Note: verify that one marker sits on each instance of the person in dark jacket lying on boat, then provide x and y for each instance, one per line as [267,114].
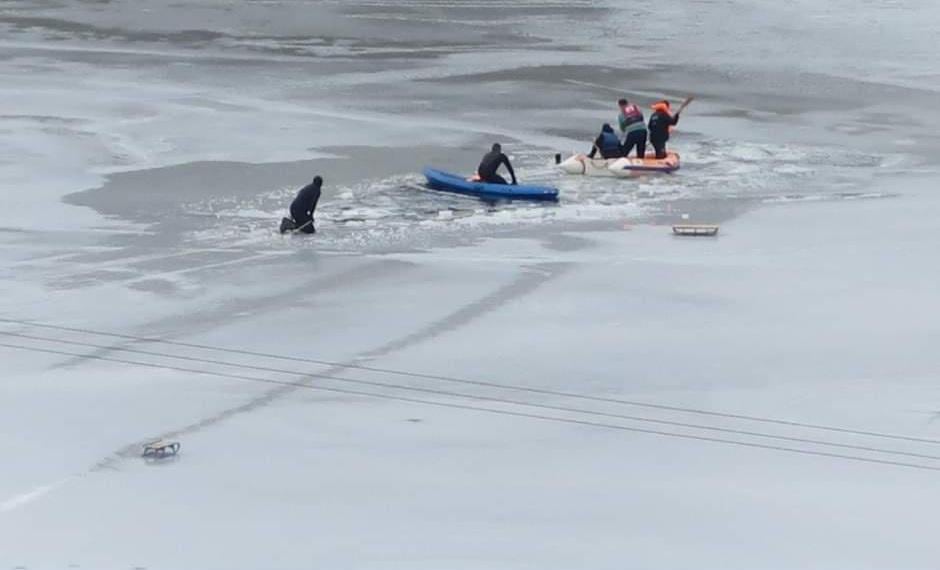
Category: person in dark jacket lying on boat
[491,163]
[302,209]
[608,143]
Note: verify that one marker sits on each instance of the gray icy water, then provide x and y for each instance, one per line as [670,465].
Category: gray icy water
[796,101]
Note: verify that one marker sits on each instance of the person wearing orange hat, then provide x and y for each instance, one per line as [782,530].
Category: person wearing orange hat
[661,121]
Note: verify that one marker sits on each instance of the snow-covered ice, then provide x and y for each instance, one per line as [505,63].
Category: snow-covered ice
[434,382]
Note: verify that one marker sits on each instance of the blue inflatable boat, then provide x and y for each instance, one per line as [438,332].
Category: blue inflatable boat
[439,180]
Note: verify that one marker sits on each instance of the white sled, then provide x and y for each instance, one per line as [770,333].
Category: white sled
[161,449]
[695,230]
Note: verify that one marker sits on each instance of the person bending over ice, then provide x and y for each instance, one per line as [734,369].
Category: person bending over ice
[302,209]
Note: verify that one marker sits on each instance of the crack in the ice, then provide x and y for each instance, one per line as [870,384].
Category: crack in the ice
[528,281]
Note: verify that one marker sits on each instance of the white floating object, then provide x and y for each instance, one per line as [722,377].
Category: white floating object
[620,167]
[695,230]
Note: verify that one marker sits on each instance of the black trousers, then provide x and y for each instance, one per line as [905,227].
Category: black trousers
[660,147]
[638,139]
[495,179]
[290,225]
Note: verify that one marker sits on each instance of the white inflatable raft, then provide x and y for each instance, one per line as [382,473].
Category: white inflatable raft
[621,167]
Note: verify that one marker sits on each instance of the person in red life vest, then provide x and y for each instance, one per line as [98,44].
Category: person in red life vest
[608,143]
[661,122]
[633,128]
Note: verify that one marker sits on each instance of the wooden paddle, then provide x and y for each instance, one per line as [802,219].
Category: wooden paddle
[685,103]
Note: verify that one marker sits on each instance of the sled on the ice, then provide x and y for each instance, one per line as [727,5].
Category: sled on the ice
[694,230]
[160,449]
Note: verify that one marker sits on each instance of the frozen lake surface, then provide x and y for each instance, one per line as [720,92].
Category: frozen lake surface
[435,382]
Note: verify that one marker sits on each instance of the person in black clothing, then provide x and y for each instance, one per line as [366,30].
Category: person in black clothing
[608,143]
[660,122]
[302,209]
[491,163]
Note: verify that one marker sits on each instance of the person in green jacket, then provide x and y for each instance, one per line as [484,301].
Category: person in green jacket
[633,128]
